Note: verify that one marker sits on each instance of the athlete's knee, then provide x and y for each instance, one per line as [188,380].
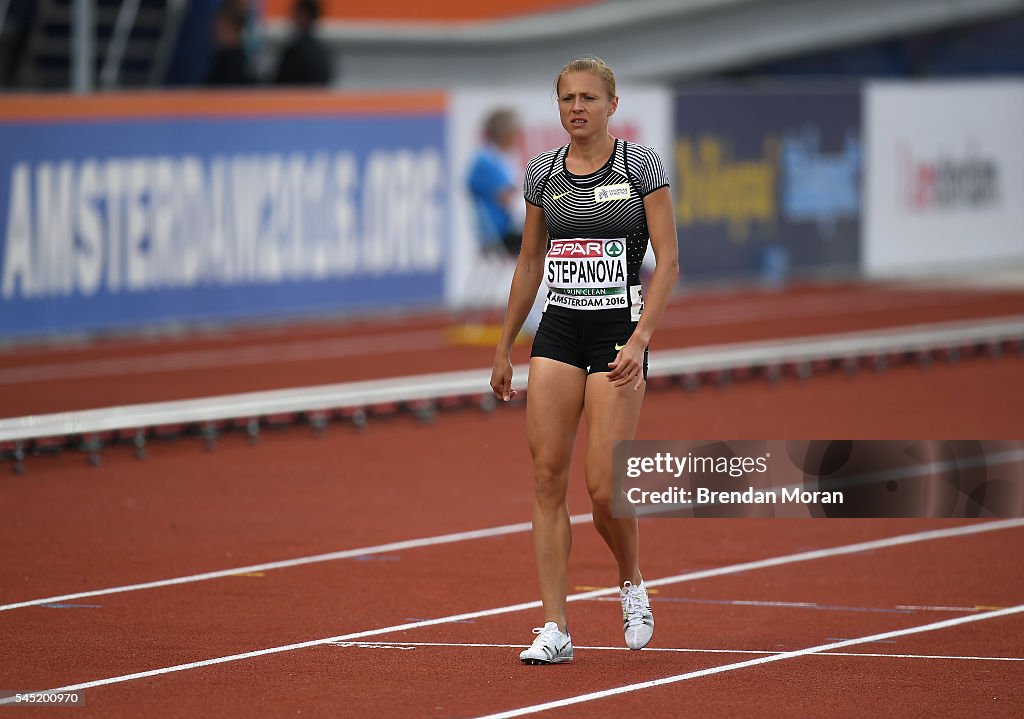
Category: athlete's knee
[550,483]
[601,500]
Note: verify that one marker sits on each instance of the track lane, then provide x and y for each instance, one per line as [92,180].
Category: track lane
[977,398]
[847,687]
[771,628]
[227,605]
[80,528]
[244,360]
[193,622]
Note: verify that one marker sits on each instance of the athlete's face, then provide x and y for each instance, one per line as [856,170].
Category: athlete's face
[584,105]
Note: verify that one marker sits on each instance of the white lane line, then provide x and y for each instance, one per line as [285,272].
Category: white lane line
[789,605]
[898,609]
[923,656]
[832,552]
[676,650]
[296,562]
[819,649]
[898,540]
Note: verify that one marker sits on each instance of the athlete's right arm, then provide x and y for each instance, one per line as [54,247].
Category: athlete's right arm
[525,283]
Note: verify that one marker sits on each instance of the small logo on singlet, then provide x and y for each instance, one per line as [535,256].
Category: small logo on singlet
[607,193]
[560,196]
[619,347]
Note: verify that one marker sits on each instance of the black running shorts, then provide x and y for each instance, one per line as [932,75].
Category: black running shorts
[584,339]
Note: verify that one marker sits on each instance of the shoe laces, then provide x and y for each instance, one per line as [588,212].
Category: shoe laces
[633,604]
[546,634]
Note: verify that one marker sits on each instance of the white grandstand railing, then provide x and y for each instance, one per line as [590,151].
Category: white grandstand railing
[801,352]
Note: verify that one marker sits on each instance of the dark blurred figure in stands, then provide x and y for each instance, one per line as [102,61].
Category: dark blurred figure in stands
[305,60]
[230,64]
[14,34]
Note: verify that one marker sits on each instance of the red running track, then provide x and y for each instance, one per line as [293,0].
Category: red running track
[185,510]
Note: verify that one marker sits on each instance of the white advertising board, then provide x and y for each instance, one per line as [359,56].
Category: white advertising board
[944,176]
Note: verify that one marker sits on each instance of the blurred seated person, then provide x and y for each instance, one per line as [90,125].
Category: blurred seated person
[230,65]
[305,60]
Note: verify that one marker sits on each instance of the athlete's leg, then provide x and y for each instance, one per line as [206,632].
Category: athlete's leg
[553,406]
[612,414]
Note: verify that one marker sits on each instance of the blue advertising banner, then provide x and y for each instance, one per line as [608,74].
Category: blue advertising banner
[118,222]
[769,181]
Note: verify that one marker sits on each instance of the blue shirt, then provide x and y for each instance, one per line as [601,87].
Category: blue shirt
[491,174]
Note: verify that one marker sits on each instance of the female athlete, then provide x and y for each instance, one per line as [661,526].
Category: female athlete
[591,207]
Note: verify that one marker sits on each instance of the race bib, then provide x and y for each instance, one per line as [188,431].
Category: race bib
[587,274]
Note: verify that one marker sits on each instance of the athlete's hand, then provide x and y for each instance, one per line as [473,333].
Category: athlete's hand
[501,379]
[628,366]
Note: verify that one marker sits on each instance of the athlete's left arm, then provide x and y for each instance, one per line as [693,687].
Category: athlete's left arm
[661,222]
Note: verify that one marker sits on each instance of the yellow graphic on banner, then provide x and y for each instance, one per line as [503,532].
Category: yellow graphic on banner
[715,188]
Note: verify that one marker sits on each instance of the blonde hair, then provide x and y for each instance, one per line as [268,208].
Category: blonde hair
[593,64]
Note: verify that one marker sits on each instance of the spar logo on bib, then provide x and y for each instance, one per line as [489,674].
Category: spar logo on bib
[607,193]
[614,248]
[578,249]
